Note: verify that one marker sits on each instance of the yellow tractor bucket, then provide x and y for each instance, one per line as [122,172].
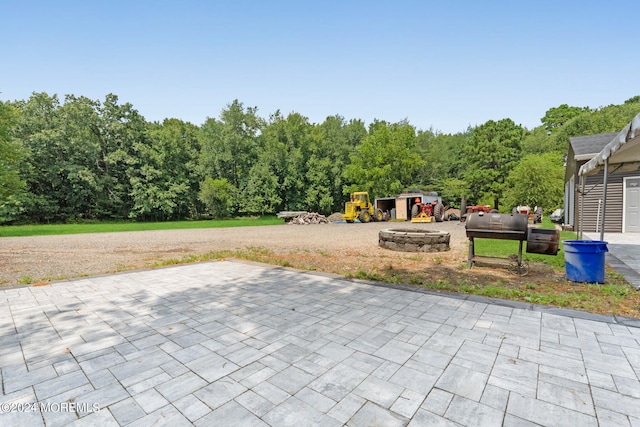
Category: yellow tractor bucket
[422,217]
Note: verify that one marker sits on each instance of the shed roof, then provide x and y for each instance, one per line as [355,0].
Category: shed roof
[586,147]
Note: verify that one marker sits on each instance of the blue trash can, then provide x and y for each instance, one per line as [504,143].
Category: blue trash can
[584,260]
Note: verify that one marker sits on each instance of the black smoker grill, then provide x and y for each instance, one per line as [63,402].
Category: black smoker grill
[482,225]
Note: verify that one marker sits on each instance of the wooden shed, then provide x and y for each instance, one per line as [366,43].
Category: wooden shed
[399,207]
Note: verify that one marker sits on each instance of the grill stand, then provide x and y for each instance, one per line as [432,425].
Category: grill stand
[518,268]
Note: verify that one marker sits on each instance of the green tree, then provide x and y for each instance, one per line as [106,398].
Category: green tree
[333,143]
[40,133]
[607,119]
[443,163]
[437,159]
[537,180]
[119,130]
[451,190]
[219,196]
[293,136]
[165,186]
[229,145]
[79,157]
[494,150]
[385,162]
[319,195]
[81,187]
[11,156]
[539,141]
[278,178]
[262,192]
[556,117]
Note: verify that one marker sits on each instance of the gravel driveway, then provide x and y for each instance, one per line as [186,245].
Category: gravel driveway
[45,258]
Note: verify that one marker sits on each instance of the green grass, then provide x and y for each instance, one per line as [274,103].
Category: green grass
[107,227]
[25,280]
[546,223]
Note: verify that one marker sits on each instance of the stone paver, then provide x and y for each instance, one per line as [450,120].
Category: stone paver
[234,343]
[623,255]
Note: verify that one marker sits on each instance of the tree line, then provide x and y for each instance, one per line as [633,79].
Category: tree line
[85,159]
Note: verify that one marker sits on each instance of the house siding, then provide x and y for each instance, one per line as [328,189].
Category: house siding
[593,196]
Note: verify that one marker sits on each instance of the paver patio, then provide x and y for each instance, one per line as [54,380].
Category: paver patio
[235,343]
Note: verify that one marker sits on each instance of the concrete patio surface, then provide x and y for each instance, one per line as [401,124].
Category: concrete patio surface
[623,255]
[234,343]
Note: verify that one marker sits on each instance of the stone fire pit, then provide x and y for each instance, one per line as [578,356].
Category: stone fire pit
[414,240]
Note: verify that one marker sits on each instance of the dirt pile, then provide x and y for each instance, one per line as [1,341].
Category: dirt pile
[452,214]
[335,217]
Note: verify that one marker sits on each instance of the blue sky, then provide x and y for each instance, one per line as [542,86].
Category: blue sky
[443,65]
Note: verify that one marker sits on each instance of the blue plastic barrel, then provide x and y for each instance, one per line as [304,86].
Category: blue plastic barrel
[584,260]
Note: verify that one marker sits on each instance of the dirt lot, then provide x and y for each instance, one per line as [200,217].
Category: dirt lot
[347,249]
[340,248]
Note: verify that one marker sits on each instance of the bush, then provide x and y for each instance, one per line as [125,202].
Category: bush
[219,196]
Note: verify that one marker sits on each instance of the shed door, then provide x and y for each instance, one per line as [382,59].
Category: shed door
[401,208]
[632,205]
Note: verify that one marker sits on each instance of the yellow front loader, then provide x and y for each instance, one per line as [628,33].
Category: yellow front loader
[360,207]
